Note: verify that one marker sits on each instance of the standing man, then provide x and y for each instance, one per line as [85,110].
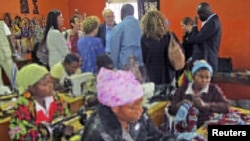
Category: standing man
[6,61]
[208,38]
[105,28]
[125,38]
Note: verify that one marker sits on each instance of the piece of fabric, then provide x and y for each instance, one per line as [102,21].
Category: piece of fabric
[184,78]
[134,66]
[117,88]
[185,119]
[191,136]
[29,75]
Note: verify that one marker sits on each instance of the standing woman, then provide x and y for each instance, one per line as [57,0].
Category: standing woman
[55,41]
[154,41]
[187,25]
[89,46]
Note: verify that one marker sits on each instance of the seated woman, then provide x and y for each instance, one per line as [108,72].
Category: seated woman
[103,60]
[206,97]
[120,116]
[62,70]
[38,103]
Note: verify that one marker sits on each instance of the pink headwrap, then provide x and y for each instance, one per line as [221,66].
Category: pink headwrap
[117,88]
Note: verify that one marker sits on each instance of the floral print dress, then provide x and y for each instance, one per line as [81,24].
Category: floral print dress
[26,117]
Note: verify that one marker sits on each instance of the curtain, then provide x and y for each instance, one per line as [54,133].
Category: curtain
[145,5]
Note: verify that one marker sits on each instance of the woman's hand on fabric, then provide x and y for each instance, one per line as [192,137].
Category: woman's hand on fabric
[199,103]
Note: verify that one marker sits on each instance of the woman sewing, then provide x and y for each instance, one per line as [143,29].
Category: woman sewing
[62,70]
[38,103]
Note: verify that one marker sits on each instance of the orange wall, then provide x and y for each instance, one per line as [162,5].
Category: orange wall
[90,7]
[235,18]
[44,6]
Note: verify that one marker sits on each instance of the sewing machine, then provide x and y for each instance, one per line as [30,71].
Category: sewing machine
[80,84]
[148,90]
[7,102]
[55,130]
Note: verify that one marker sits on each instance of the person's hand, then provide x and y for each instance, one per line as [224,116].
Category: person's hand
[196,20]
[185,101]
[199,103]
[68,132]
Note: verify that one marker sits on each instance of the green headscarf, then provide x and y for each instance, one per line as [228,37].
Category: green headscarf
[30,75]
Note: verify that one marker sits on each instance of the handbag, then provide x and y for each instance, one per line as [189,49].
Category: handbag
[175,54]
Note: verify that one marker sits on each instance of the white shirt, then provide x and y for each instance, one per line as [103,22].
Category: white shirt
[48,100]
[191,91]
[203,23]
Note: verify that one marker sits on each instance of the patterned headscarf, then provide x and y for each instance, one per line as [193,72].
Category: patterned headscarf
[117,88]
[30,75]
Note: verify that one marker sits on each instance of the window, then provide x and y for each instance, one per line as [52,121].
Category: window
[117,5]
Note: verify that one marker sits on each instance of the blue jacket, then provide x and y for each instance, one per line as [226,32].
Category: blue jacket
[125,41]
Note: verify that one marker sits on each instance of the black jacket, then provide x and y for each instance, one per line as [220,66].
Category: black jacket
[102,33]
[156,60]
[187,47]
[104,126]
[208,41]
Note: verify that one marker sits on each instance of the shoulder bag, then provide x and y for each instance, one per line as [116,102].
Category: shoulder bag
[175,54]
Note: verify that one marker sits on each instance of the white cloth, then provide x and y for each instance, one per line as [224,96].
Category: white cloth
[6,62]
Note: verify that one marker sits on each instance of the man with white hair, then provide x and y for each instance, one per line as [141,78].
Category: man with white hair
[105,28]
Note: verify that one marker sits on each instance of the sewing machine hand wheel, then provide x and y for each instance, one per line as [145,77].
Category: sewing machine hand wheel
[67,84]
[83,115]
